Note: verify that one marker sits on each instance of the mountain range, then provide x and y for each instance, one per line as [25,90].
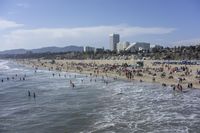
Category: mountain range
[44,50]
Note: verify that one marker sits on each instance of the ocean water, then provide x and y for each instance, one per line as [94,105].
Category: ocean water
[91,107]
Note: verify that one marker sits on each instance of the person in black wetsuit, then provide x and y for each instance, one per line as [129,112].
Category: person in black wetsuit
[29,94]
[34,95]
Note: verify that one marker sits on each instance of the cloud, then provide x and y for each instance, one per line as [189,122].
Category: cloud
[133,31]
[6,24]
[98,35]
[23,5]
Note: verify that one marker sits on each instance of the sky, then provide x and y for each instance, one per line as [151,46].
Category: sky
[41,23]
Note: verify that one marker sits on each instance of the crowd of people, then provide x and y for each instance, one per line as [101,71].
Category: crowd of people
[162,73]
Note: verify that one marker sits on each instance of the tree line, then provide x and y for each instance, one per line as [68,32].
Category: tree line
[158,53]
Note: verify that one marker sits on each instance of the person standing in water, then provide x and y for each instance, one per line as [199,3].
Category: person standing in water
[72,84]
[29,94]
[34,95]
[174,87]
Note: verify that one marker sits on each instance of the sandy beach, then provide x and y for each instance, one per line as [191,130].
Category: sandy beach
[160,73]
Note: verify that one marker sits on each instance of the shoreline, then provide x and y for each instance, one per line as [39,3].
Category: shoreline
[114,69]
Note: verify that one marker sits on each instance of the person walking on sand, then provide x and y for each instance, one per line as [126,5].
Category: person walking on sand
[181,88]
[191,85]
[153,79]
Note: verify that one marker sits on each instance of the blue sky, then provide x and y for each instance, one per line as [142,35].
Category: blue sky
[39,23]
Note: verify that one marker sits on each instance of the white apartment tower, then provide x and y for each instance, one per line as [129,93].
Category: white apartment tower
[114,39]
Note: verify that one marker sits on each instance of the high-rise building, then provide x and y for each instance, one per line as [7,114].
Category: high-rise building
[88,49]
[114,39]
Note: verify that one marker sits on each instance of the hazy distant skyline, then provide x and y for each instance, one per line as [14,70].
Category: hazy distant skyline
[34,23]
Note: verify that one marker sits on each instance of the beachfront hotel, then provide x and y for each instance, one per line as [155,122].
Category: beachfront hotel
[114,39]
[133,47]
[121,46]
[138,46]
